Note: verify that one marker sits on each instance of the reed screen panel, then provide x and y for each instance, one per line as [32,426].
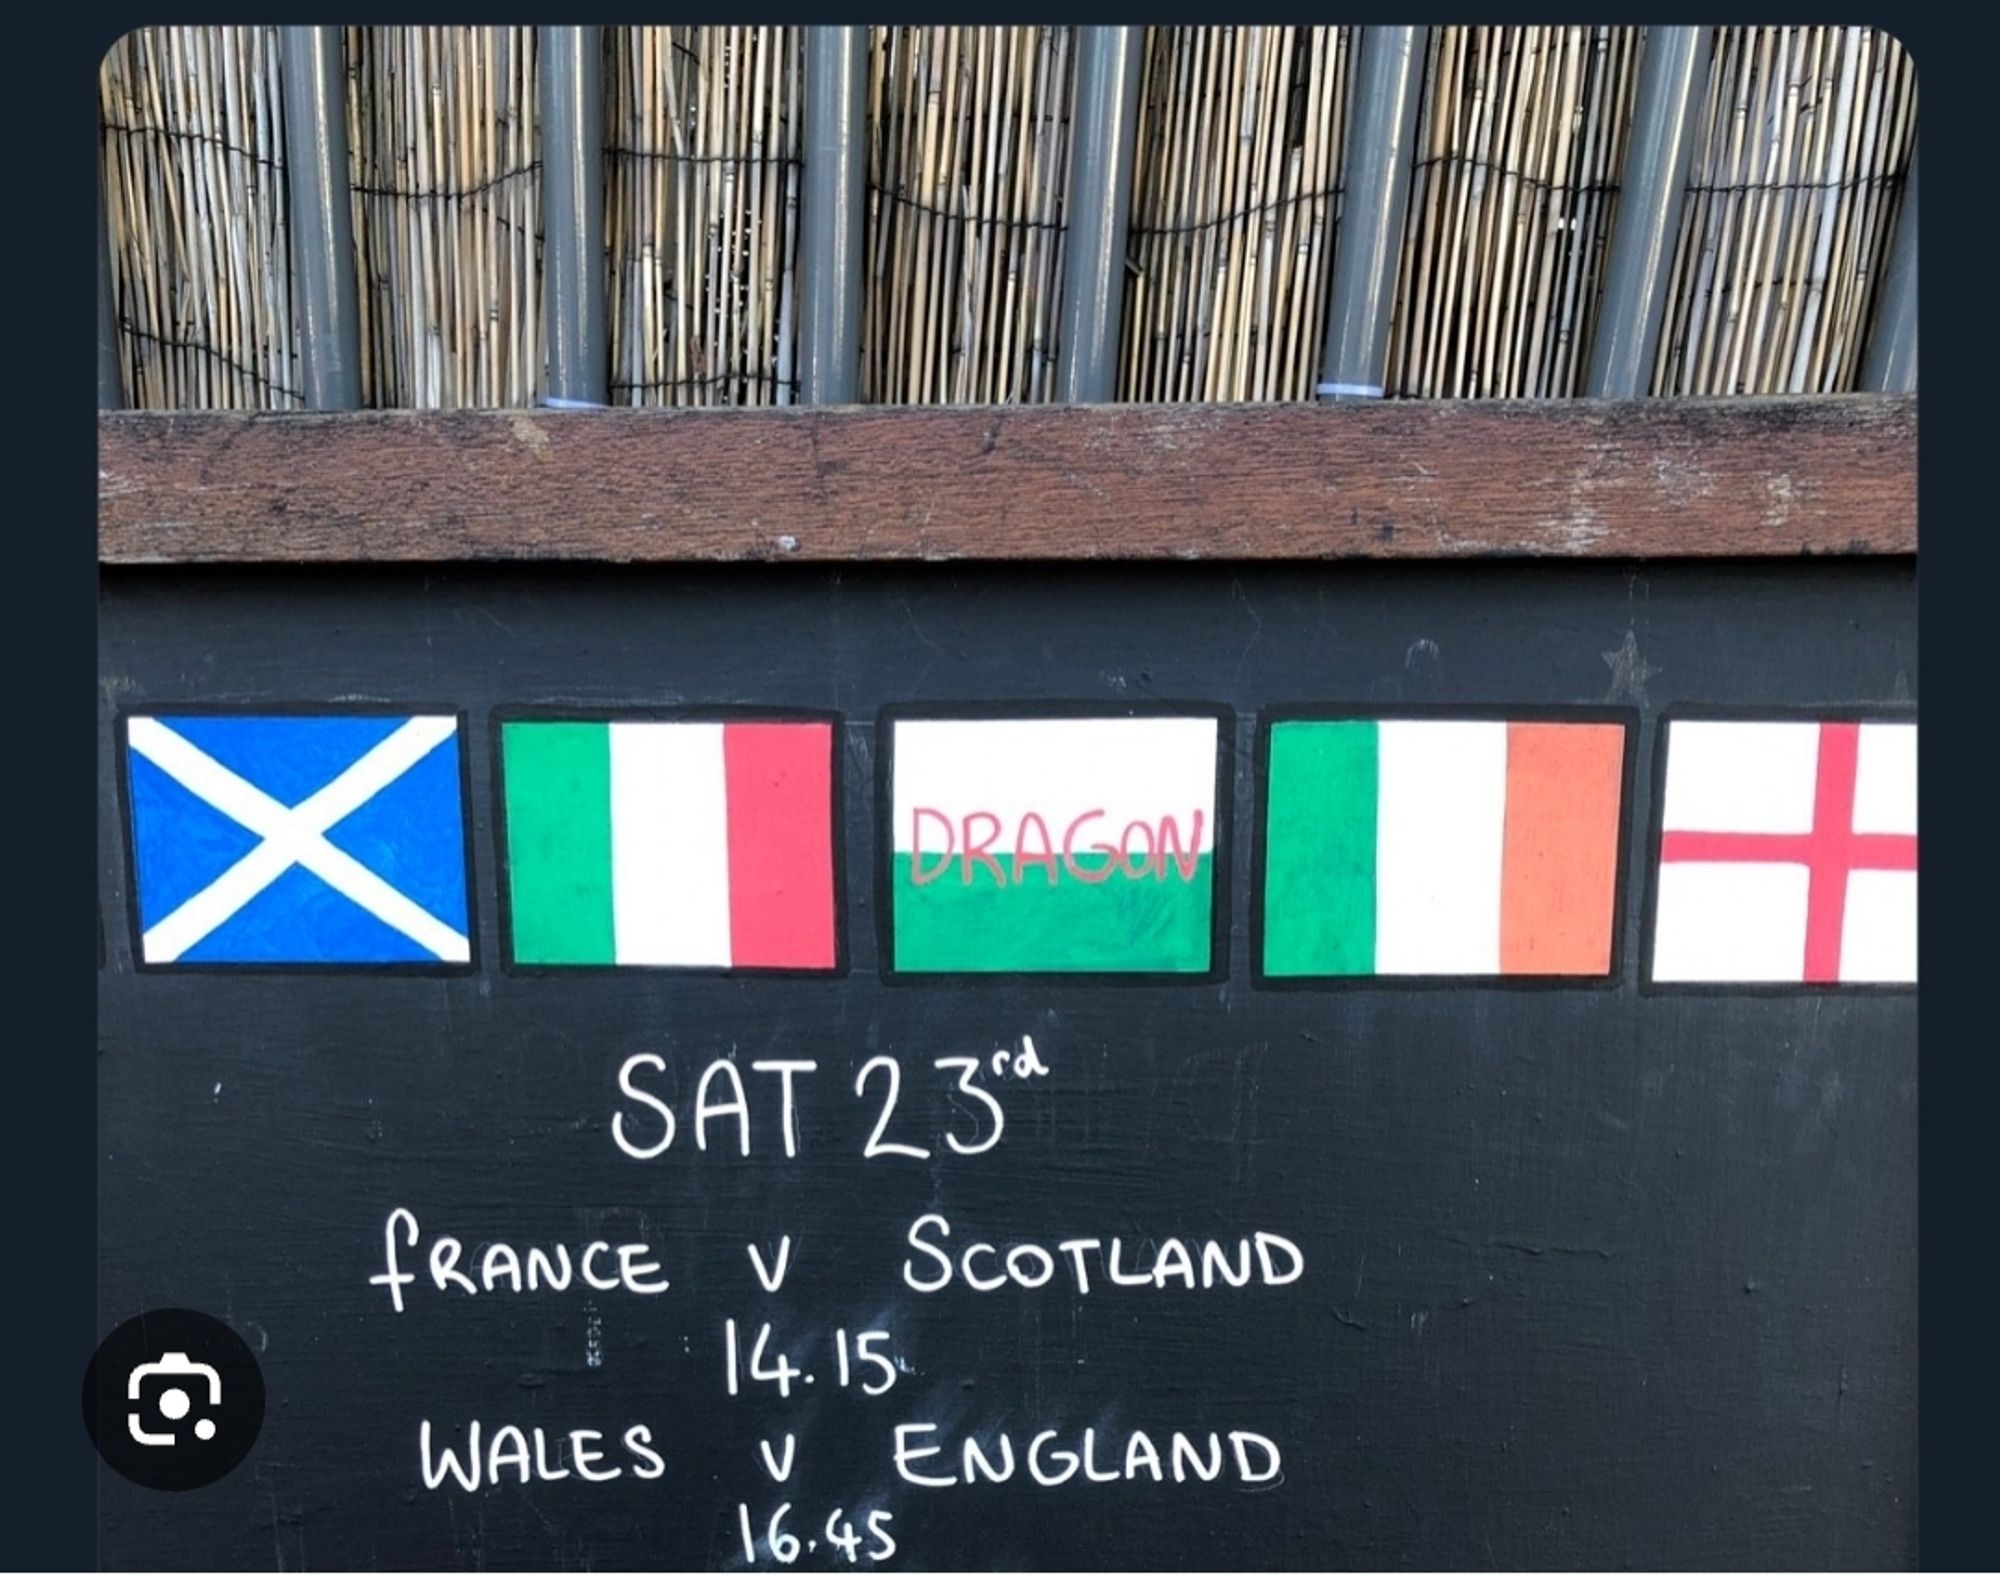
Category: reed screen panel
[1803,142]
[194,190]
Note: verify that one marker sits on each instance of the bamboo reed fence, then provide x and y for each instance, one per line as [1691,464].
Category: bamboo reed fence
[1235,188]
[1519,146]
[702,213]
[1792,194]
[447,233]
[194,191]
[1805,135]
[968,155]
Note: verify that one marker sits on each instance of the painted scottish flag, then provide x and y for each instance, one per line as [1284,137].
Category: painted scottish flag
[331,839]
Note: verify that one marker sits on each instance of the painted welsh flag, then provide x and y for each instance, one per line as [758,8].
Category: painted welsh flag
[1048,845]
[1788,853]
[670,844]
[1441,847]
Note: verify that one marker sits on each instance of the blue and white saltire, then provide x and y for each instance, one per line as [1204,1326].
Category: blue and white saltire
[332,839]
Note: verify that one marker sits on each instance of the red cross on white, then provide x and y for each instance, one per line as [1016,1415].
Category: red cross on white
[1788,853]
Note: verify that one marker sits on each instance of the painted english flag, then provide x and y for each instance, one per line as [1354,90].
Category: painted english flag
[1051,845]
[1788,853]
[335,838]
[1441,847]
[670,844]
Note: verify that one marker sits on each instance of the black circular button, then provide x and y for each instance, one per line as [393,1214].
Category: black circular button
[173,1399]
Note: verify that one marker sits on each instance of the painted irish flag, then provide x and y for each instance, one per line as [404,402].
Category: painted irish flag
[1053,844]
[1788,853]
[670,844]
[1441,847]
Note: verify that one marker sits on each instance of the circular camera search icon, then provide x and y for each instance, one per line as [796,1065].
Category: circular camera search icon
[173,1399]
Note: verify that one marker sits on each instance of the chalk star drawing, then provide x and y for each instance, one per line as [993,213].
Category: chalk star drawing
[1629,671]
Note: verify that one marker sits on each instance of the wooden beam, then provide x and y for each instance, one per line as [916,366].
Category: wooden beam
[1394,479]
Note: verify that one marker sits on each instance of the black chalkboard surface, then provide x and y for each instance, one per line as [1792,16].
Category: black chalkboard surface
[1586,1270]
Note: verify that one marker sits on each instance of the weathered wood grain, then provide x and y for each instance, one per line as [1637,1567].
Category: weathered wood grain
[1397,479]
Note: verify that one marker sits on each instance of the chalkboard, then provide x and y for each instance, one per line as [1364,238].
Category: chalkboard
[1586,1268]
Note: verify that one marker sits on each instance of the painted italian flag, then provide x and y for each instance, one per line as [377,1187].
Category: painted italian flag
[1053,844]
[670,844]
[1441,847]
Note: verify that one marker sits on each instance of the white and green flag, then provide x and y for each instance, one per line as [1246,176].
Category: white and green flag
[1053,844]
